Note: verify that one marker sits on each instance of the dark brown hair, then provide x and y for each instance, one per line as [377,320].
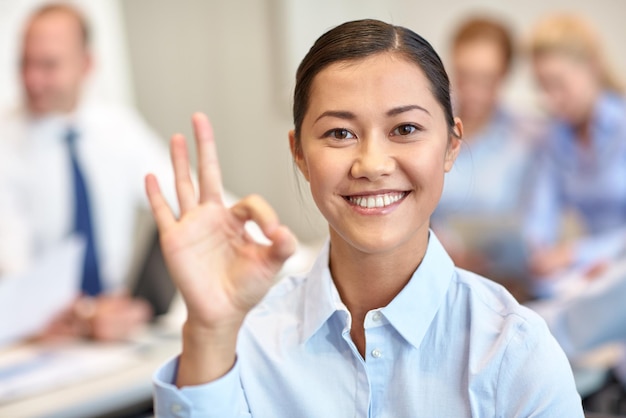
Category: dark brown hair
[482,28]
[360,39]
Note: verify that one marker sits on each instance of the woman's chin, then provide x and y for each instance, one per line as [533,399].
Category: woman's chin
[376,242]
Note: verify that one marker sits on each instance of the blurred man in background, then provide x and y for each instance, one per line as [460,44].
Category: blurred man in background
[75,169]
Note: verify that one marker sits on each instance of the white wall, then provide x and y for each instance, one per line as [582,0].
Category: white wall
[236,61]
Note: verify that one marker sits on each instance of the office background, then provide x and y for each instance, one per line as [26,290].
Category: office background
[236,60]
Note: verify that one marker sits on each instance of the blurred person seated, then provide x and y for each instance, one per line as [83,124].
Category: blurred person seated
[590,320]
[487,182]
[582,165]
[581,169]
[75,168]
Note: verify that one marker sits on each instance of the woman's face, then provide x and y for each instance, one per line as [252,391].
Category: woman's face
[479,68]
[570,86]
[375,150]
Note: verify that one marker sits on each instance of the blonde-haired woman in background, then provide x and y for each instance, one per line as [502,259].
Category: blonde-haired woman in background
[582,165]
[582,169]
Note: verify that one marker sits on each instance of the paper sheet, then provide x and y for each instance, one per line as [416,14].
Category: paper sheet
[29,300]
[31,369]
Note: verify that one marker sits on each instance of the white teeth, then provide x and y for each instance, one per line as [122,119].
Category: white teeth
[378,201]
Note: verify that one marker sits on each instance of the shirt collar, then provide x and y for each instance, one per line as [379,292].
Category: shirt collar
[410,312]
[608,114]
[321,296]
[53,126]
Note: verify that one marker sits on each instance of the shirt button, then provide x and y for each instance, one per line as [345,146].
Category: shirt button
[176,408]
[376,353]
[377,316]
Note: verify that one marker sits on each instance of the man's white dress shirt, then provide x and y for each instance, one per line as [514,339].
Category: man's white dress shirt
[116,149]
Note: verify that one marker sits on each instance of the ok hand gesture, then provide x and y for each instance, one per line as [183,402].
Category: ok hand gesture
[219,270]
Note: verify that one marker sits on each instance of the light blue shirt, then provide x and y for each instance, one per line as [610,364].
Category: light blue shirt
[450,344]
[590,180]
[491,171]
[481,208]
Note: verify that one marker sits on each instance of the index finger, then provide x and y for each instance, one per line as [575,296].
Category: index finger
[209,174]
[160,209]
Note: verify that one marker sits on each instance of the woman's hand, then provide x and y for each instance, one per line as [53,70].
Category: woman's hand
[548,261]
[220,271]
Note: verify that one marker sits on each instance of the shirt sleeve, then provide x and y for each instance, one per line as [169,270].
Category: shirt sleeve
[222,398]
[535,378]
[16,241]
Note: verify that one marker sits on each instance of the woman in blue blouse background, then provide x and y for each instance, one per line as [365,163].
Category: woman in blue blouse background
[582,165]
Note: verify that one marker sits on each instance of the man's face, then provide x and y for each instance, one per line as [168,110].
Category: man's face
[54,63]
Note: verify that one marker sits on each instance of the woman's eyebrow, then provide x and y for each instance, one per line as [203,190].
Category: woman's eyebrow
[340,114]
[401,109]
[344,114]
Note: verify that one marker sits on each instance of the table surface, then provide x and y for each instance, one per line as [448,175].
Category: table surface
[107,393]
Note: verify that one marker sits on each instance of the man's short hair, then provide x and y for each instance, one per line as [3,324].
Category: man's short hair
[67,9]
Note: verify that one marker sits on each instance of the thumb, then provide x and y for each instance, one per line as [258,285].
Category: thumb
[283,246]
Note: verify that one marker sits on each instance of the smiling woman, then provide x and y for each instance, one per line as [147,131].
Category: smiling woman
[383,324]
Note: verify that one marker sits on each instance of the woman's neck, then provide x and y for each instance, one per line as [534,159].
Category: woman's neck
[583,134]
[583,128]
[367,281]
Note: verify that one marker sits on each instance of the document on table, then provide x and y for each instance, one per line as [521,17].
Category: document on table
[575,282]
[29,300]
[32,369]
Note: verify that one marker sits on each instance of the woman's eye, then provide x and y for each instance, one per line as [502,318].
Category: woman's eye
[340,134]
[405,130]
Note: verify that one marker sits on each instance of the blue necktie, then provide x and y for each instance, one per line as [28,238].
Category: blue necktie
[91,283]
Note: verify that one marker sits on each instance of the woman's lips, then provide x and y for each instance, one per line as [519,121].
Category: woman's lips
[376,201]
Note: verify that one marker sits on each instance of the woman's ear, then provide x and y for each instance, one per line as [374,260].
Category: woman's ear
[296,153]
[454,144]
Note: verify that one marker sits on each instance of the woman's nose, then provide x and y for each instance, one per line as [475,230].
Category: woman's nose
[373,160]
